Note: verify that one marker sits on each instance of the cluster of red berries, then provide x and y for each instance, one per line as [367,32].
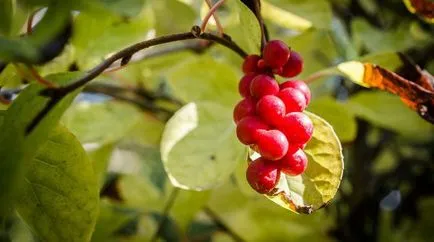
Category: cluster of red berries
[270,116]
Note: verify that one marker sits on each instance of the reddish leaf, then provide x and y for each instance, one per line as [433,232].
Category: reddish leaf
[423,8]
[418,93]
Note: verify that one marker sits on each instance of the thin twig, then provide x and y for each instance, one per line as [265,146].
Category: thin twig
[197,46]
[35,74]
[166,211]
[93,73]
[220,224]
[216,19]
[209,14]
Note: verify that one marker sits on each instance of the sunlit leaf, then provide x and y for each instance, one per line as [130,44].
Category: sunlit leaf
[317,186]
[173,16]
[199,148]
[59,198]
[284,18]
[423,8]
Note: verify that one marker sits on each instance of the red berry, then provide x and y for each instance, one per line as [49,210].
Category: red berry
[250,63]
[299,85]
[276,54]
[294,100]
[247,129]
[271,109]
[244,108]
[244,84]
[294,66]
[263,85]
[261,65]
[272,144]
[297,127]
[263,175]
[294,164]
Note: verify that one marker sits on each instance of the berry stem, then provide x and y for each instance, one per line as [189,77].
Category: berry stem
[320,74]
[166,211]
[210,13]
[216,18]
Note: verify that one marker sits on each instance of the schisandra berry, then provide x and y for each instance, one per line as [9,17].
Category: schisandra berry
[294,164]
[272,144]
[244,84]
[293,99]
[271,109]
[299,85]
[247,129]
[263,175]
[293,66]
[244,108]
[276,53]
[263,85]
[297,127]
[250,64]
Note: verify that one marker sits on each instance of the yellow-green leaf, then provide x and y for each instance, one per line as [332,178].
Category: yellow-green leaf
[318,185]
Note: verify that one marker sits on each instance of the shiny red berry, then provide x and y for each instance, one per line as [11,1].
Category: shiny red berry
[244,84]
[293,66]
[276,54]
[250,64]
[297,127]
[294,164]
[263,175]
[272,144]
[271,109]
[263,85]
[244,108]
[293,99]
[299,85]
[247,129]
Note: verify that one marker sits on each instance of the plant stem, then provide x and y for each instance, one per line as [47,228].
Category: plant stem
[216,18]
[323,73]
[220,224]
[211,13]
[166,211]
[93,73]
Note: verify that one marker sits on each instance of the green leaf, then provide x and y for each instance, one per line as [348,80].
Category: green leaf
[316,57]
[172,16]
[317,12]
[250,40]
[382,40]
[199,148]
[101,123]
[387,111]
[59,198]
[337,114]
[7,8]
[97,34]
[111,218]
[284,18]
[100,158]
[129,8]
[203,78]
[313,189]
[17,148]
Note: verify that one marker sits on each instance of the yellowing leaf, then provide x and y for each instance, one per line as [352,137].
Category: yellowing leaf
[313,189]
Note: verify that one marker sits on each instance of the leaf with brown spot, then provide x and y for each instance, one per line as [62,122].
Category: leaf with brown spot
[417,92]
[423,8]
